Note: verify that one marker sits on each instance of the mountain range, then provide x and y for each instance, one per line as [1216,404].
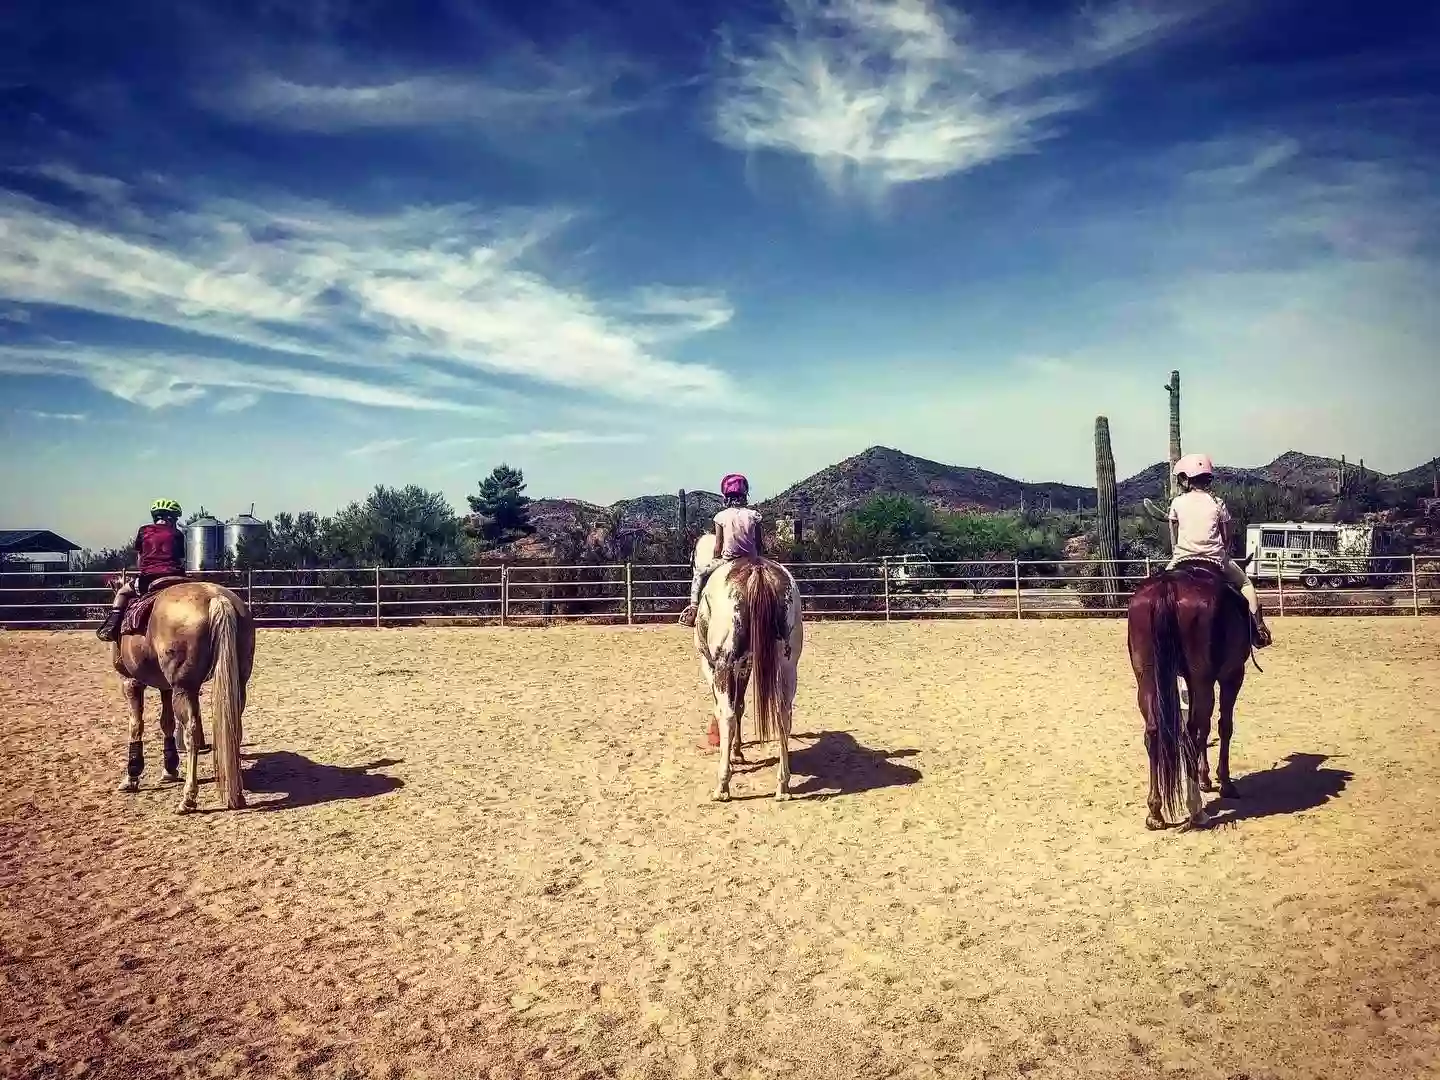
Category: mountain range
[882,470]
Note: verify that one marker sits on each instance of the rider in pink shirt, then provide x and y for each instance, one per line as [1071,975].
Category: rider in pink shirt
[737,534]
[1200,529]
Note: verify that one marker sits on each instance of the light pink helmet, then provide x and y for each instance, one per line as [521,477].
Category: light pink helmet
[735,485]
[1195,465]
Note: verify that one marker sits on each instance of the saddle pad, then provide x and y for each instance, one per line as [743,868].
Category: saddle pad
[137,614]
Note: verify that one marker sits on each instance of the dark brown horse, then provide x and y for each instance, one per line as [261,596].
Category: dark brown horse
[1187,622]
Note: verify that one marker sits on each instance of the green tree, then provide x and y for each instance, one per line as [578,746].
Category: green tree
[501,507]
[891,523]
[407,526]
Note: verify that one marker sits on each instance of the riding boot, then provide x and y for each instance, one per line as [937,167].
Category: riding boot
[110,629]
[687,617]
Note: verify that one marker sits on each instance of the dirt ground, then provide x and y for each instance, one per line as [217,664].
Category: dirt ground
[490,853]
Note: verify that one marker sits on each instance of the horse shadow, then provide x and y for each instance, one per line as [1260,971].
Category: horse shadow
[1296,785]
[835,764]
[309,783]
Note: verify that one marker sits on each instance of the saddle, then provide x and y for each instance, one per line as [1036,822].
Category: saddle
[137,614]
[1204,568]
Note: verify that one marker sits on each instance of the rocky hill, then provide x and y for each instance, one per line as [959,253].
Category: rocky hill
[1152,483]
[882,470]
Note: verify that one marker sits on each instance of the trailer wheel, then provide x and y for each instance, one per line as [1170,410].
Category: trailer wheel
[1335,581]
[1311,579]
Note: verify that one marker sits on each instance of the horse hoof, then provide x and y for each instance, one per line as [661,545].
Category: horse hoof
[720,796]
[1207,785]
[782,796]
[1154,823]
[170,778]
[128,786]
[1199,821]
[185,808]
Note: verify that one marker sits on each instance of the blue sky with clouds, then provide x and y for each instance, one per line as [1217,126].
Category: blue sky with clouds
[279,252]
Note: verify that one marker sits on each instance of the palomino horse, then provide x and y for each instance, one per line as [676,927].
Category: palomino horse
[195,631]
[748,623]
[1187,622]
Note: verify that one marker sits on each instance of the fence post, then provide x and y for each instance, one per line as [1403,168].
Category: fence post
[1018,613]
[1280,587]
[504,594]
[1414,586]
[249,588]
[629,598]
[1147,566]
[885,587]
[377,598]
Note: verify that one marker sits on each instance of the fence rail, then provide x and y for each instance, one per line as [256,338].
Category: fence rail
[643,593]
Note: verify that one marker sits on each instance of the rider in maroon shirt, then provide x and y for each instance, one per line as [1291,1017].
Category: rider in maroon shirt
[160,552]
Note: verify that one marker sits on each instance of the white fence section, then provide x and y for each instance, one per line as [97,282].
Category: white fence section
[518,595]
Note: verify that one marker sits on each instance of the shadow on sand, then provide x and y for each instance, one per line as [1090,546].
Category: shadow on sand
[1297,784]
[835,764]
[307,783]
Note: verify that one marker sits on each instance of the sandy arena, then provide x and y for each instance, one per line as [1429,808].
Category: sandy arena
[491,853]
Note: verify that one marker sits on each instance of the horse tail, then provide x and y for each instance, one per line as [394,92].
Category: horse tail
[227,702]
[1165,642]
[765,616]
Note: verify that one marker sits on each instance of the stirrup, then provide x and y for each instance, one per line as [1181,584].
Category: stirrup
[109,630]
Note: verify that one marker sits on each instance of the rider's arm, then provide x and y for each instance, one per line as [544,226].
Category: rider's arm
[719,540]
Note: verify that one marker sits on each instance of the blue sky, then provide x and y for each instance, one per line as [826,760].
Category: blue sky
[280,252]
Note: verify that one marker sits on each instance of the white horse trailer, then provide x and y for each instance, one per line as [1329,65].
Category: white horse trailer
[1315,553]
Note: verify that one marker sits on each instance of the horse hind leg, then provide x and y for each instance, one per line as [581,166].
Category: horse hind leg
[1154,815]
[724,689]
[187,713]
[171,775]
[134,692]
[1229,694]
[788,679]
[742,687]
[1196,734]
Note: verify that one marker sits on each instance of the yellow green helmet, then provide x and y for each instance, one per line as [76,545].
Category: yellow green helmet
[165,506]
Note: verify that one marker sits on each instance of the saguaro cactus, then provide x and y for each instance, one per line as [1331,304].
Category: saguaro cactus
[1173,386]
[1107,513]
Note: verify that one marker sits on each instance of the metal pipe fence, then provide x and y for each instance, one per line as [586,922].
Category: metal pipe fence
[638,593]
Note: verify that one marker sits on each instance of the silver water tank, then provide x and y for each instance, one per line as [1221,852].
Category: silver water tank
[204,541]
[241,527]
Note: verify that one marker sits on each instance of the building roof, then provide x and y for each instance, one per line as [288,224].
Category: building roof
[15,541]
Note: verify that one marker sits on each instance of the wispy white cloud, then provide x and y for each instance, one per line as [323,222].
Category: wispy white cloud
[779,435]
[67,417]
[157,380]
[888,92]
[324,89]
[384,295]
[16,315]
[409,102]
[543,439]
[379,446]
[236,403]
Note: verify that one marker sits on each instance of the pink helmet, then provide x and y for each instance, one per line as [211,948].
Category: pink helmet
[1195,465]
[734,484]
